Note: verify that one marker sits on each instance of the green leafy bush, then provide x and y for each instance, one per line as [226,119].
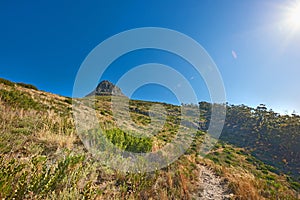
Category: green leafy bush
[36,178]
[123,140]
[29,86]
[68,100]
[6,82]
[16,98]
[128,141]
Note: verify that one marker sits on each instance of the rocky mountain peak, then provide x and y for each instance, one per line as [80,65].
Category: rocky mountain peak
[106,88]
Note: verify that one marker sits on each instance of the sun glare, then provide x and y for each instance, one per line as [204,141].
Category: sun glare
[293,19]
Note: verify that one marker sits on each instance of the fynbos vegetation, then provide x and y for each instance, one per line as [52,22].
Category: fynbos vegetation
[41,156]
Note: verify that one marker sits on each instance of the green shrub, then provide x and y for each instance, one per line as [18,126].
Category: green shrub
[128,141]
[16,98]
[36,179]
[22,131]
[6,82]
[68,100]
[29,86]
[123,140]
[270,177]
[295,186]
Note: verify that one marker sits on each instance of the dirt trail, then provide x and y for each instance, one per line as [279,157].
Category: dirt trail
[211,186]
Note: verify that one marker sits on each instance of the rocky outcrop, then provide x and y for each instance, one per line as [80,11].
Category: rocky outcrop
[106,88]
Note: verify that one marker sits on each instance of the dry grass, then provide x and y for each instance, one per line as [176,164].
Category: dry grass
[245,182]
[53,128]
[57,130]
[45,125]
[27,133]
[241,183]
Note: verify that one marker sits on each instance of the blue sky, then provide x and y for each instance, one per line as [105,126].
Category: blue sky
[255,49]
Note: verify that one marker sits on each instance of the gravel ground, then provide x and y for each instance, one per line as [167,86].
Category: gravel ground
[211,186]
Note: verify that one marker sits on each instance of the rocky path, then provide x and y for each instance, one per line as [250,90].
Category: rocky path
[211,186]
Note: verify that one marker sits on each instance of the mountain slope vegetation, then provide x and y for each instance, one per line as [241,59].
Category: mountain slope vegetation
[42,157]
[269,136]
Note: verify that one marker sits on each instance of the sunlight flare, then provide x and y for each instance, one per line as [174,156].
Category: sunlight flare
[294,16]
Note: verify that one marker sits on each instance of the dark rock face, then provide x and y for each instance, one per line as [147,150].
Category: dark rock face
[106,88]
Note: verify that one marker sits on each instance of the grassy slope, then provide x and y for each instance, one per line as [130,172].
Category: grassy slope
[42,157]
[270,137]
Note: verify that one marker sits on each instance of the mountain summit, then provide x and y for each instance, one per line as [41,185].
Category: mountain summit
[106,88]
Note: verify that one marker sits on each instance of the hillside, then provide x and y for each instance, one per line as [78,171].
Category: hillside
[42,157]
[269,136]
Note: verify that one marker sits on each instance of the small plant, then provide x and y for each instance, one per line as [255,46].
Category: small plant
[68,100]
[37,179]
[6,82]
[19,99]
[123,140]
[29,86]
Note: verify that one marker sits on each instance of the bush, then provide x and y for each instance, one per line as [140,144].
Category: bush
[6,82]
[123,140]
[29,86]
[16,98]
[68,100]
[36,179]
[295,186]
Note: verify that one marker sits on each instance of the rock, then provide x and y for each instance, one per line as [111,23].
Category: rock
[106,88]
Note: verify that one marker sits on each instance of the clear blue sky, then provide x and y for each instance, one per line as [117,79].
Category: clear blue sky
[255,49]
